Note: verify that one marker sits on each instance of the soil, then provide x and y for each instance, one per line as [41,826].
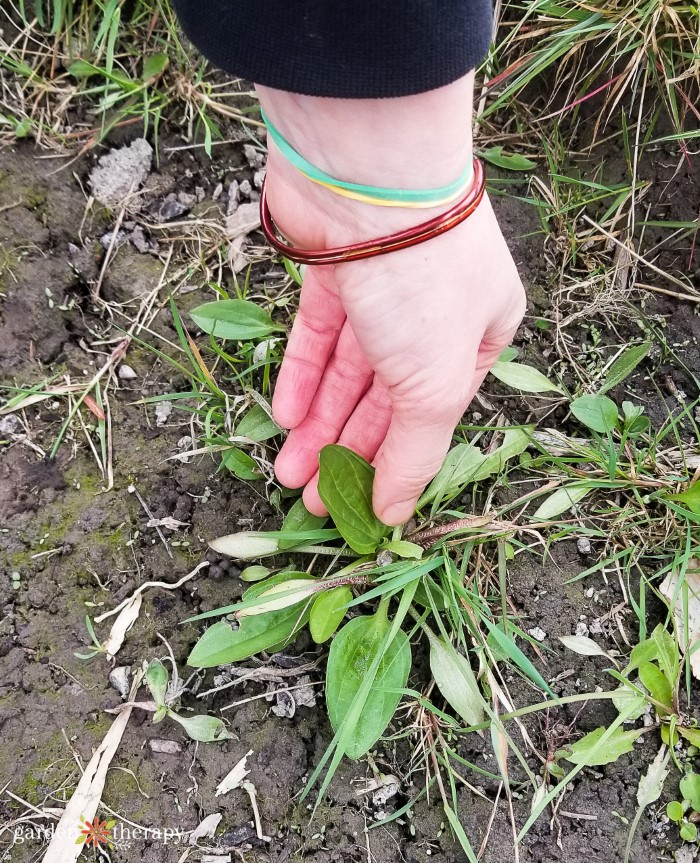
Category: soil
[79,550]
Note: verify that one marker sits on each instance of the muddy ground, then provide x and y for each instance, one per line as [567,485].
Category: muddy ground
[80,550]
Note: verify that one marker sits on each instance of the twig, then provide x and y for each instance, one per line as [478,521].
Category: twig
[133,490]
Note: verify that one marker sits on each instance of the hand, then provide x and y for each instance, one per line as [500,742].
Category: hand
[385,354]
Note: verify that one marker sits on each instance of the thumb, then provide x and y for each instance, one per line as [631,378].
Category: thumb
[411,455]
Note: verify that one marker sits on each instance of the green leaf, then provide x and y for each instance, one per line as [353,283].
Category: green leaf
[624,365]
[246,544]
[239,320]
[514,442]
[157,680]
[666,652]
[328,609]
[690,497]
[240,464]
[154,66]
[510,649]
[597,412]
[688,832]
[690,789]
[560,501]
[221,644]
[508,354]
[352,652]
[521,377]
[674,810]
[405,549]
[656,684]
[254,573]
[645,651]
[626,700]
[205,729]
[692,735]
[257,425]
[456,681]
[280,595]
[619,743]
[509,161]
[299,519]
[345,487]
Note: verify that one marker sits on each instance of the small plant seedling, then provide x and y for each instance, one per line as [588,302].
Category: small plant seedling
[686,811]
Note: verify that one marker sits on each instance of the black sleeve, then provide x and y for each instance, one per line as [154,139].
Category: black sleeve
[345,48]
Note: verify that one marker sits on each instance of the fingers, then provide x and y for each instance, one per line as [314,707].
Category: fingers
[364,433]
[311,342]
[345,380]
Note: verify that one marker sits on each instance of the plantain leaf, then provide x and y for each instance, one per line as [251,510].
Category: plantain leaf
[257,425]
[205,729]
[327,611]
[644,651]
[595,411]
[617,744]
[240,464]
[352,652]
[510,161]
[658,687]
[624,365]
[560,500]
[239,320]
[221,644]
[522,377]
[690,497]
[345,486]
[157,681]
[627,701]
[690,789]
[300,519]
[456,681]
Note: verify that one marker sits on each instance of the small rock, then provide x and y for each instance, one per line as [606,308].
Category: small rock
[581,628]
[246,189]
[258,179]
[218,189]
[126,373]
[106,239]
[163,411]
[255,158]
[199,194]
[583,544]
[537,633]
[384,558]
[186,199]
[234,197]
[142,242]
[286,706]
[166,209]
[685,854]
[119,679]
[10,424]
[596,627]
[164,747]
[121,172]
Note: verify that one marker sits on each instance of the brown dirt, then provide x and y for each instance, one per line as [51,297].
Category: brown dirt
[98,549]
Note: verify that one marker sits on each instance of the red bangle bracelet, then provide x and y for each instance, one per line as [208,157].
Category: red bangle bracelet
[382,246]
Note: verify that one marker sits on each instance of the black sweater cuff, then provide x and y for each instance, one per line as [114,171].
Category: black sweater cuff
[352,49]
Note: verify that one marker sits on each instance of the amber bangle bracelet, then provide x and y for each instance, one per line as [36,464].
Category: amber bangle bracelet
[382,246]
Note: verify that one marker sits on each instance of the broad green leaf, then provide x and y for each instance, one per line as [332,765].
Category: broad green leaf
[667,652]
[626,700]
[522,377]
[402,548]
[508,354]
[456,681]
[254,573]
[582,645]
[429,595]
[345,487]
[352,652]
[619,743]
[157,680]
[299,519]
[690,497]
[514,442]
[240,464]
[154,65]
[460,465]
[239,320]
[624,365]
[560,501]
[221,645]
[595,411]
[510,161]
[645,651]
[656,684]
[690,789]
[281,595]
[688,831]
[205,729]
[327,611]
[692,735]
[257,425]
[246,544]
[674,811]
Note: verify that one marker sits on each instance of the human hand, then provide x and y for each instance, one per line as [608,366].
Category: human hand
[386,353]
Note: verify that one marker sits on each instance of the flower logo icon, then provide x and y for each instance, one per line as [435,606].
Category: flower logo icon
[96,833]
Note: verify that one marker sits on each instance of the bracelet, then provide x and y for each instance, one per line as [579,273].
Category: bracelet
[376,195]
[382,246]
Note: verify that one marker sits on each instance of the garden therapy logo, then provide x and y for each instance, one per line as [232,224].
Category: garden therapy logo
[96,833]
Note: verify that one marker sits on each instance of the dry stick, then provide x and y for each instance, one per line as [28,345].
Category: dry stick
[637,256]
[146,585]
[693,298]
[133,490]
